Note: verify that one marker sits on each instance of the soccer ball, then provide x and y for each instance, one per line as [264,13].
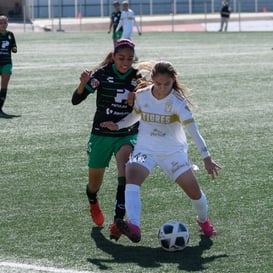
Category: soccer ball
[173,236]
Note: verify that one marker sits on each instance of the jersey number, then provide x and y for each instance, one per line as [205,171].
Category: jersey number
[122,95]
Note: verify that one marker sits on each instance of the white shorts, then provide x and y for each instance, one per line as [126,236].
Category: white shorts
[172,164]
[127,35]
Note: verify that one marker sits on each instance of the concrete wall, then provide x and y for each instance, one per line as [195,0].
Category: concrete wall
[7,8]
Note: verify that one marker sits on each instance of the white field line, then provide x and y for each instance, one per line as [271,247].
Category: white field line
[39,268]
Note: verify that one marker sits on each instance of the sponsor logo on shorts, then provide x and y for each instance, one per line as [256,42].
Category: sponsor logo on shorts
[176,166]
[138,158]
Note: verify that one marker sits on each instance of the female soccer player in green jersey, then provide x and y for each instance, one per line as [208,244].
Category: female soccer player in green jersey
[7,46]
[114,82]
[114,20]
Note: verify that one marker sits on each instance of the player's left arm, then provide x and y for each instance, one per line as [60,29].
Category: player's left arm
[210,165]
[137,26]
[13,44]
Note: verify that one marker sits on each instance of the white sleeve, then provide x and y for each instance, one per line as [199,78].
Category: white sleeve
[198,139]
[137,25]
[129,120]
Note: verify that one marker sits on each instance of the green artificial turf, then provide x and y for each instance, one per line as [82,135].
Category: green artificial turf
[43,207]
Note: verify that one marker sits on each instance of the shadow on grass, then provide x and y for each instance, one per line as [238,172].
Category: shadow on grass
[190,259]
[8,116]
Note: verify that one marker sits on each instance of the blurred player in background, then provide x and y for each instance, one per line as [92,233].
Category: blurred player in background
[114,20]
[114,82]
[7,46]
[127,22]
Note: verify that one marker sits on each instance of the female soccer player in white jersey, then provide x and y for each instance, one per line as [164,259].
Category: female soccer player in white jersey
[162,109]
[127,21]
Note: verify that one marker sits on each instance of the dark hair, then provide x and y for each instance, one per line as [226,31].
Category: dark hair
[120,44]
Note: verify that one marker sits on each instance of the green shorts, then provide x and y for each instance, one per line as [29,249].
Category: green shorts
[117,35]
[100,149]
[6,69]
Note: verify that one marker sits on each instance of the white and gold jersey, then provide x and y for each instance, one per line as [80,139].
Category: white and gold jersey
[127,22]
[161,123]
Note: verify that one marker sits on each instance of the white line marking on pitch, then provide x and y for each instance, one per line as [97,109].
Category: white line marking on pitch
[40,268]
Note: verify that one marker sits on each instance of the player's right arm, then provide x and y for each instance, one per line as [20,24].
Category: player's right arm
[110,25]
[127,121]
[81,93]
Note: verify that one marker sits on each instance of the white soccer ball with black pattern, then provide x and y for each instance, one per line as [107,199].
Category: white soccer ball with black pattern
[173,236]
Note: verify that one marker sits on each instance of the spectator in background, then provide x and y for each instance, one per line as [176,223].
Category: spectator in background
[114,20]
[225,13]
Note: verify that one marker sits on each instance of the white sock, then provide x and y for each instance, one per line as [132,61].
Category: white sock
[133,203]
[201,208]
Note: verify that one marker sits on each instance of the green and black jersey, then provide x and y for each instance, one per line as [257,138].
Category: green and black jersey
[7,42]
[112,93]
[115,17]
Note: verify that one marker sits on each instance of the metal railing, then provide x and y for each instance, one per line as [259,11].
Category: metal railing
[55,10]
[101,8]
